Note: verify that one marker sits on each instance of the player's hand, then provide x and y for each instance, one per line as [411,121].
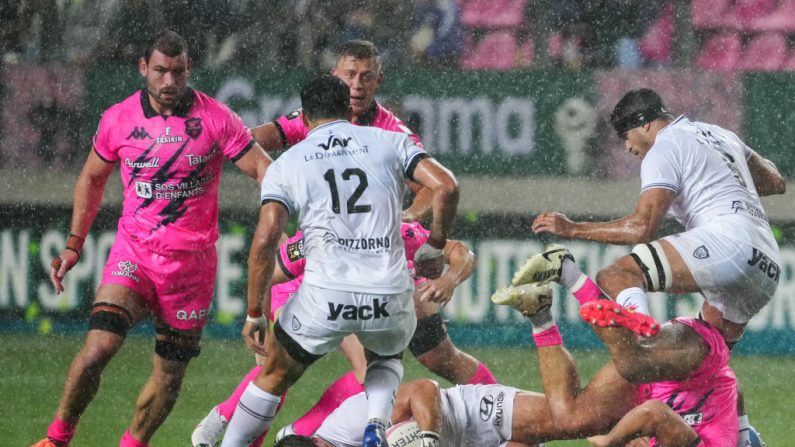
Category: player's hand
[553,223]
[407,216]
[429,261]
[59,266]
[599,441]
[438,290]
[254,334]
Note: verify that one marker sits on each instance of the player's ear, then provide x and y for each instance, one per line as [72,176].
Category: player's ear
[142,65]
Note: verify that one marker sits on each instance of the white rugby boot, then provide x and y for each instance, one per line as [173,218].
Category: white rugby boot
[208,432]
[543,267]
[528,299]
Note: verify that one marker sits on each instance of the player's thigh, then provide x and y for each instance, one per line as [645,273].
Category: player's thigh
[424,308]
[123,299]
[606,398]
[682,280]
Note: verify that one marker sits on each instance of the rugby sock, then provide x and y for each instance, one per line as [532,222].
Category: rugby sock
[578,283]
[381,383]
[542,320]
[482,376]
[345,387]
[128,441]
[634,298]
[61,431]
[254,415]
[261,438]
[744,436]
[227,407]
[548,337]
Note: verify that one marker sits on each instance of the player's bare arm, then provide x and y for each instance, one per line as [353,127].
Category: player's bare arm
[89,189]
[421,400]
[261,262]
[639,227]
[421,207]
[461,263]
[268,137]
[767,179]
[444,187]
[652,418]
[254,163]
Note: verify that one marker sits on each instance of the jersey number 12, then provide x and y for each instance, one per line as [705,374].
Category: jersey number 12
[352,207]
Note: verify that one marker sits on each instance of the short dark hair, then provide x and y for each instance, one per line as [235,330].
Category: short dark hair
[360,49]
[167,42]
[325,96]
[295,441]
[637,108]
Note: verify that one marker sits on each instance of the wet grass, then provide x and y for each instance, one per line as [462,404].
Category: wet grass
[34,367]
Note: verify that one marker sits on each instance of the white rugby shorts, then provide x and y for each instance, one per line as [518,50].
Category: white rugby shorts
[318,319]
[736,263]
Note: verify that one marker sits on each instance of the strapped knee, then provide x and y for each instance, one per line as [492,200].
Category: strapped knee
[175,345]
[111,318]
[429,333]
[654,264]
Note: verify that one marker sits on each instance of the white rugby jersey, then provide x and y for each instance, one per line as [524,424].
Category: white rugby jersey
[706,166]
[472,416]
[346,185]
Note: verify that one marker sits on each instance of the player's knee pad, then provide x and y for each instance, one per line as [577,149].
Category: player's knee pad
[111,318]
[429,333]
[176,352]
[654,264]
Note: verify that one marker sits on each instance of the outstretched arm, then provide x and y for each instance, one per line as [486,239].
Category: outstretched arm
[652,418]
[640,226]
[421,400]
[766,177]
[254,163]
[268,137]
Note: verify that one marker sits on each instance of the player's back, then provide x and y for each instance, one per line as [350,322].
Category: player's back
[346,183]
[709,172]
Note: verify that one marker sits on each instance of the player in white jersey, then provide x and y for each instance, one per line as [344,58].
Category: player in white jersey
[345,183]
[710,182]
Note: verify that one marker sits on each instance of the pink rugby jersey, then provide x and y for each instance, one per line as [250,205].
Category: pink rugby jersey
[707,399]
[292,261]
[170,167]
[292,129]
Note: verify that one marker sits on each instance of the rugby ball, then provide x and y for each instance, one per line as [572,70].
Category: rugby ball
[404,434]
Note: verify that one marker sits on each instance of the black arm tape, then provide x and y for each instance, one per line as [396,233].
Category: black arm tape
[110,317]
[174,352]
[429,333]
[294,350]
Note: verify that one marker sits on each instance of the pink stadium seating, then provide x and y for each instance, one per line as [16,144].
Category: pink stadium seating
[782,19]
[714,14]
[749,11]
[493,14]
[495,51]
[766,52]
[656,43]
[722,52]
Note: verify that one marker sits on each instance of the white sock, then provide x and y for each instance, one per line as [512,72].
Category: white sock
[254,415]
[634,298]
[381,383]
[744,437]
[570,274]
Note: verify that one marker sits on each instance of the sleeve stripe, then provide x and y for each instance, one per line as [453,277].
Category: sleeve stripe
[283,136]
[101,157]
[412,165]
[280,200]
[243,152]
[673,188]
[285,270]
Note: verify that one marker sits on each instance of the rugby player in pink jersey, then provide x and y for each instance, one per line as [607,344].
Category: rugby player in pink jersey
[358,65]
[170,142]
[430,343]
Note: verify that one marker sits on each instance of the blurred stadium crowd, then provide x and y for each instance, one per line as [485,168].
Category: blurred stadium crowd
[469,34]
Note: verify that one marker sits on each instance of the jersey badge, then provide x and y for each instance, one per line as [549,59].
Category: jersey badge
[193,127]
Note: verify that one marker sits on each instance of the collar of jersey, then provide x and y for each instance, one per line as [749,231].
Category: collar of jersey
[677,120]
[328,124]
[182,110]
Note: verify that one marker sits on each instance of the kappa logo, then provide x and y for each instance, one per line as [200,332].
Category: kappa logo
[333,142]
[701,252]
[486,407]
[193,127]
[139,133]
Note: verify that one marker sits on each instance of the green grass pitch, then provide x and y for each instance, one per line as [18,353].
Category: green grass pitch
[34,367]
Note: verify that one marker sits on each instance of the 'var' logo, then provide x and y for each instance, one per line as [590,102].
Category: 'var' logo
[334,142]
[139,133]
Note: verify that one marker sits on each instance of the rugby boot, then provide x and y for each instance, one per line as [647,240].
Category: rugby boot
[543,267]
[527,299]
[374,434]
[208,432]
[608,313]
